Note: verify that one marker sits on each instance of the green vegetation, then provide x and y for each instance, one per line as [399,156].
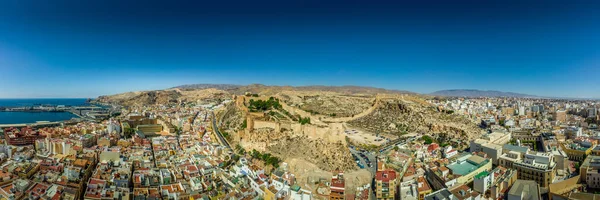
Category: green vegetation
[276,114]
[261,105]
[129,132]
[245,124]
[591,120]
[240,149]
[305,120]
[267,158]
[285,112]
[427,139]
[177,130]
[226,135]
[531,143]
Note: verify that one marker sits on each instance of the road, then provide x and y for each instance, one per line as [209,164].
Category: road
[392,144]
[370,156]
[194,121]
[216,130]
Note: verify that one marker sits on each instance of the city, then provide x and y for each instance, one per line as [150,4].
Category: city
[299,100]
[235,145]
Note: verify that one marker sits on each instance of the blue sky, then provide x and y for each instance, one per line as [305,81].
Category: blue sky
[90,48]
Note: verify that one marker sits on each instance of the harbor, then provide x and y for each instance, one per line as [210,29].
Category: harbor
[49,112]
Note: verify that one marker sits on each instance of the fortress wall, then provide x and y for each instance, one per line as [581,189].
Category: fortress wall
[266,124]
[285,125]
[329,134]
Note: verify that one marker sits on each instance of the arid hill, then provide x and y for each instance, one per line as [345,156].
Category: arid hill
[163,97]
[401,116]
[271,90]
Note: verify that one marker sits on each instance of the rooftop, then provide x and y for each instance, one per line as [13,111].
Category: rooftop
[482,175]
[527,190]
[515,148]
[465,167]
[385,175]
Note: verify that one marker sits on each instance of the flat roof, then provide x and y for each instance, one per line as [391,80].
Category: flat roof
[482,174]
[515,148]
[477,159]
[462,168]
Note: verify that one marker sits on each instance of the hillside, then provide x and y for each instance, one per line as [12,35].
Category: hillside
[206,86]
[479,93]
[400,116]
[156,97]
[194,92]
[271,90]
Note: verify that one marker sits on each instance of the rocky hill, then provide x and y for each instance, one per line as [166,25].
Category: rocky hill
[271,90]
[401,116]
[479,93]
[141,98]
[206,86]
[326,155]
[162,97]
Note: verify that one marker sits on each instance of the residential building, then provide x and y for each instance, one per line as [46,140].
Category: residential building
[408,190]
[590,171]
[23,136]
[560,116]
[337,187]
[386,183]
[503,179]
[576,151]
[539,167]
[464,192]
[483,181]
[442,194]
[423,187]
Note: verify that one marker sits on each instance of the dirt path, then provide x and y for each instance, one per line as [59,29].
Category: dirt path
[297,111]
[345,119]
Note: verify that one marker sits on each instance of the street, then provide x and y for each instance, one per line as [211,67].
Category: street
[216,130]
[368,157]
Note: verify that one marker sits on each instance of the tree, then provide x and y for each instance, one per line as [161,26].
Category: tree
[427,139]
[266,156]
[225,134]
[245,124]
[256,154]
[129,132]
[305,120]
[273,161]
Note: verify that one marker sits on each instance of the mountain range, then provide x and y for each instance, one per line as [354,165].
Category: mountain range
[479,93]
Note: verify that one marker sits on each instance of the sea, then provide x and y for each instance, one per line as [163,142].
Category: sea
[32,117]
